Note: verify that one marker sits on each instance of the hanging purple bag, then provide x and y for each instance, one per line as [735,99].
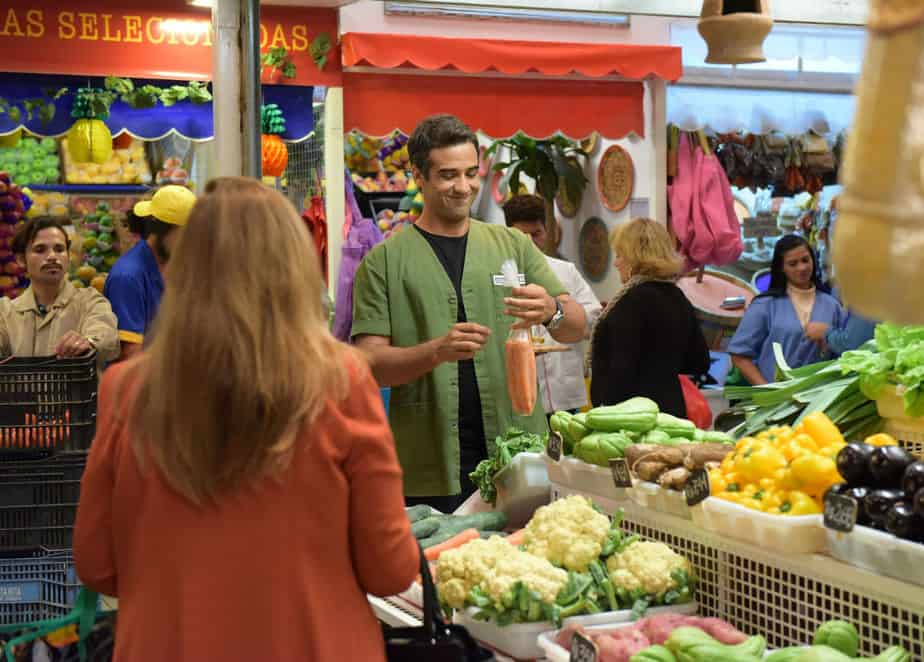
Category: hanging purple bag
[363,234]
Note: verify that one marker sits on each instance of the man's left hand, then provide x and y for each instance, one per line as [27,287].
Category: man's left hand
[72,344]
[532,304]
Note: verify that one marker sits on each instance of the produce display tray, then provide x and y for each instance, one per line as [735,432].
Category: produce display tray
[803,534]
[573,476]
[654,497]
[879,552]
[521,641]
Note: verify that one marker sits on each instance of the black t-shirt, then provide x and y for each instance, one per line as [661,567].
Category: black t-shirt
[451,253]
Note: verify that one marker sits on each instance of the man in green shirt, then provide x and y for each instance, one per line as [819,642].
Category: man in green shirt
[431,313]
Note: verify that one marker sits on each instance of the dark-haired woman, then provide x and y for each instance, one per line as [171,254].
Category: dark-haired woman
[52,317]
[782,314]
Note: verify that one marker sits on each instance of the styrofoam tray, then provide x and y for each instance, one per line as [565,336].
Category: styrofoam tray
[654,497]
[580,478]
[879,552]
[802,534]
[521,640]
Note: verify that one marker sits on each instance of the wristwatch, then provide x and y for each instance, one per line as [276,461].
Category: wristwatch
[555,321]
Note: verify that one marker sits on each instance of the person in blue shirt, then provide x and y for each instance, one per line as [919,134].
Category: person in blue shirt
[856,331]
[782,314]
[135,284]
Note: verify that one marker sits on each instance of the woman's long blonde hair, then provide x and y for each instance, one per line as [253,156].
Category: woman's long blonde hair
[647,249]
[241,357]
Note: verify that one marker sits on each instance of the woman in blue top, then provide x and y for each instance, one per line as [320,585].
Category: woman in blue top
[783,312]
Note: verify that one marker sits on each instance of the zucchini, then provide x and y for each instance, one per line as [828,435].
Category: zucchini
[492,521]
[417,513]
[425,527]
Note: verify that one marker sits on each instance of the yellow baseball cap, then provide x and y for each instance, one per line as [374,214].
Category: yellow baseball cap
[170,204]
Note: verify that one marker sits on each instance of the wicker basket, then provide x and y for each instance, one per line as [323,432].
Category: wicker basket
[734,38]
[908,430]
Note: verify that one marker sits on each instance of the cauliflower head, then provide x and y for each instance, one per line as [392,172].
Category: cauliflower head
[536,574]
[567,532]
[457,570]
[646,566]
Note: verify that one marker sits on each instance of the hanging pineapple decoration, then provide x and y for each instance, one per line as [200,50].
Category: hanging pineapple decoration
[275,152]
[89,139]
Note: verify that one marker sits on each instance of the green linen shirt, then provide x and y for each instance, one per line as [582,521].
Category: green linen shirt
[402,291]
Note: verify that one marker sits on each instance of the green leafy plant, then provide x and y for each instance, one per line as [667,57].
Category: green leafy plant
[42,107]
[92,103]
[278,58]
[552,163]
[319,49]
[148,96]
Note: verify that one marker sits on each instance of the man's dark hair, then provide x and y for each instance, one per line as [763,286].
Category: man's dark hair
[436,132]
[136,224]
[26,233]
[159,230]
[524,208]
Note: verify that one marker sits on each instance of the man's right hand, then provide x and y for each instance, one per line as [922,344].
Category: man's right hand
[462,342]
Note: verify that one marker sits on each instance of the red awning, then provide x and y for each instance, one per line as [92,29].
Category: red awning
[471,56]
[377,104]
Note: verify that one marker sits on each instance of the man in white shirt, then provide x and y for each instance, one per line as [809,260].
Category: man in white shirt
[561,374]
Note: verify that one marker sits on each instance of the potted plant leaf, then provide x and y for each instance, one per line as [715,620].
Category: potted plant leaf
[276,65]
[553,163]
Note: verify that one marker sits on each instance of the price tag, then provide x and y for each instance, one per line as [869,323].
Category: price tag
[840,512]
[582,649]
[553,449]
[621,475]
[697,488]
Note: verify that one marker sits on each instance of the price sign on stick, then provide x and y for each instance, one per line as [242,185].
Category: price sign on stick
[582,649]
[621,475]
[553,449]
[697,488]
[840,512]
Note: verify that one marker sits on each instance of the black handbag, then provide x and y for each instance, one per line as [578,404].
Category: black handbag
[435,640]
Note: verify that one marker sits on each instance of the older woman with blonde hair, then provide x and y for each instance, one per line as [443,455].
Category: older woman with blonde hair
[246,495]
[648,334]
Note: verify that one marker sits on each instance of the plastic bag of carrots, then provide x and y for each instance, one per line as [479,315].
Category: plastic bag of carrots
[520,358]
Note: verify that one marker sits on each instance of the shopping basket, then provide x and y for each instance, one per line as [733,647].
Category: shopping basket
[38,501]
[46,404]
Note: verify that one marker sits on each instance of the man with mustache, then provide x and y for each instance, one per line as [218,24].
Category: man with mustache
[432,314]
[52,317]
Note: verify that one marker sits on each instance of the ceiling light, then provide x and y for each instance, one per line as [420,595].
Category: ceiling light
[439,9]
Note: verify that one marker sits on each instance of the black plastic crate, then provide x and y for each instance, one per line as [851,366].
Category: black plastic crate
[38,501]
[47,404]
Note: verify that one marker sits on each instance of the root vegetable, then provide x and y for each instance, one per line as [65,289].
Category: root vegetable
[674,479]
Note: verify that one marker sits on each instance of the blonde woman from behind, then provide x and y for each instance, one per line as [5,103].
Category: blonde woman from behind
[648,333]
[249,496]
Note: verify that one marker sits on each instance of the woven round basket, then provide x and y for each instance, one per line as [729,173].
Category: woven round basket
[616,178]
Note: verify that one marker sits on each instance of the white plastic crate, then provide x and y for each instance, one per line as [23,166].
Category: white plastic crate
[573,476]
[654,497]
[521,640]
[879,552]
[786,597]
[802,534]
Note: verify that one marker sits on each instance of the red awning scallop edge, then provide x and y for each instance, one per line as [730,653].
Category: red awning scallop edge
[473,56]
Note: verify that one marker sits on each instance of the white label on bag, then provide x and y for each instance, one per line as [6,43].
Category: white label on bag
[499,280]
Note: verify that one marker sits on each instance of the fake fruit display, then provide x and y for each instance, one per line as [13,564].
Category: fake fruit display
[361,153]
[124,166]
[275,153]
[99,247]
[32,161]
[48,204]
[393,153]
[89,138]
[13,205]
[409,209]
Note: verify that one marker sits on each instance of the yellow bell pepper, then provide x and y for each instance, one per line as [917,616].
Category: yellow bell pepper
[758,461]
[815,472]
[717,482]
[797,503]
[881,439]
[806,442]
[822,429]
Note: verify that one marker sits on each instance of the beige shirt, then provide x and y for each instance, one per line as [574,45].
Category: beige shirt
[24,332]
[803,301]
